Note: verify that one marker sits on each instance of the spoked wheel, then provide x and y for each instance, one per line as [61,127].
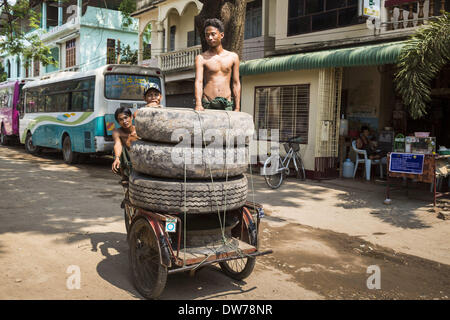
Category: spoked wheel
[149,275]
[29,146]
[272,173]
[242,267]
[301,168]
[69,156]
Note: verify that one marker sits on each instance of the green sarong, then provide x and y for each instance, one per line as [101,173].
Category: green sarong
[125,163]
[218,103]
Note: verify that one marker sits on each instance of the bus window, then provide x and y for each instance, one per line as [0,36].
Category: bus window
[5,98]
[83,95]
[31,101]
[40,100]
[127,87]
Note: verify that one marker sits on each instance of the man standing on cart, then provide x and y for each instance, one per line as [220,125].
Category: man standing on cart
[215,69]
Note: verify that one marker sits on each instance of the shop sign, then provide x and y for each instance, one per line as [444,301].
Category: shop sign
[371,8]
[406,163]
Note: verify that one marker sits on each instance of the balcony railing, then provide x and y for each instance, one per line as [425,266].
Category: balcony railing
[403,14]
[181,59]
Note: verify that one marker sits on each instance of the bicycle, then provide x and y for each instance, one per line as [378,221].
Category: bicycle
[275,168]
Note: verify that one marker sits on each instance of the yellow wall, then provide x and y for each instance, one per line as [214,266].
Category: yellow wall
[286,78]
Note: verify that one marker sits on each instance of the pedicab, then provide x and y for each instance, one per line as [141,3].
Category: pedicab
[161,244]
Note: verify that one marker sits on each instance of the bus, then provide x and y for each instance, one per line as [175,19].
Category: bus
[74,111]
[10,103]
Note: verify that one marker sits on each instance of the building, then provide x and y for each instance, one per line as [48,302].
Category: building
[175,42]
[306,63]
[82,35]
[331,60]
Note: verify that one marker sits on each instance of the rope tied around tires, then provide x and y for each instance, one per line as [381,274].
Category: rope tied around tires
[227,243]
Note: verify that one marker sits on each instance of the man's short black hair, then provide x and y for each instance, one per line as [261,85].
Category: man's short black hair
[120,110]
[364,128]
[214,22]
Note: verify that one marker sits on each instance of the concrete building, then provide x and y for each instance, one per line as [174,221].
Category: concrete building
[82,35]
[175,42]
[306,63]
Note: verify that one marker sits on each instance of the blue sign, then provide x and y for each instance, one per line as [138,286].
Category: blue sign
[406,163]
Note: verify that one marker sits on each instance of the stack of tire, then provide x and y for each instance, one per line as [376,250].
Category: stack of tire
[195,185]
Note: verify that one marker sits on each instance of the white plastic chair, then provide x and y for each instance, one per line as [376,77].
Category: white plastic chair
[367,162]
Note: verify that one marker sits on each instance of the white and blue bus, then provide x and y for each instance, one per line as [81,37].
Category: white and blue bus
[74,112]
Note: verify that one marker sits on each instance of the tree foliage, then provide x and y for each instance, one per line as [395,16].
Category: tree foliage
[17,20]
[127,7]
[421,59]
[232,14]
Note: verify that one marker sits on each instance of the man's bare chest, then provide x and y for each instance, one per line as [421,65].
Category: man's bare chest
[218,64]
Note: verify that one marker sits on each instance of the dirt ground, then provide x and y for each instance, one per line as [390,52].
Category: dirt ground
[53,216]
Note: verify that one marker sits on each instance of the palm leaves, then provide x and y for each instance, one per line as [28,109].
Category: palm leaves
[421,59]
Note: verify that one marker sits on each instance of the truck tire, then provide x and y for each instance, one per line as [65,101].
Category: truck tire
[168,161]
[172,125]
[202,196]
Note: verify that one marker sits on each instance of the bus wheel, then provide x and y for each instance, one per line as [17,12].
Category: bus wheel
[3,138]
[29,146]
[69,156]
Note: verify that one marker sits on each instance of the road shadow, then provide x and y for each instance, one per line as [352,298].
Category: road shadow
[208,282]
[41,194]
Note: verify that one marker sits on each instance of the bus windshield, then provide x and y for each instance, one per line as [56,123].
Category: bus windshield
[127,86]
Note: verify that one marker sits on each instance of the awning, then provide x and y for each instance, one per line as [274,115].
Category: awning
[386,53]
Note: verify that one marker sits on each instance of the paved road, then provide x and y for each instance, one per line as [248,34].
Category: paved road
[54,216]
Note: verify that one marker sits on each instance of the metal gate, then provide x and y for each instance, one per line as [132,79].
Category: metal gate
[327,125]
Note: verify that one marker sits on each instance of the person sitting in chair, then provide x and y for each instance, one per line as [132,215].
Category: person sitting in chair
[364,142]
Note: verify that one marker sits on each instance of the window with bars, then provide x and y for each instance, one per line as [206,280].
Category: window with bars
[193,38]
[71,59]
[36,67]
[285,108]
[306,16]
[253,19]
[110,51]
[173,31]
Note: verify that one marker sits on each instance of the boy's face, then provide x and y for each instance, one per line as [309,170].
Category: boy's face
[213,36]
[124,120]
[153,97]
[366,132]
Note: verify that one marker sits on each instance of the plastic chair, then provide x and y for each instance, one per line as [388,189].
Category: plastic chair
[367,162]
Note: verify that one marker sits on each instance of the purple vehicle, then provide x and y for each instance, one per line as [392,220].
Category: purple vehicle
[10,97]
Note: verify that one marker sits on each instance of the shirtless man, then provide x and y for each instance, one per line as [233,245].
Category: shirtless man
[123,136]
[214,69]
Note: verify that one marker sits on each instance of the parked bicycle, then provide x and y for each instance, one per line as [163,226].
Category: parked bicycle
[277,168]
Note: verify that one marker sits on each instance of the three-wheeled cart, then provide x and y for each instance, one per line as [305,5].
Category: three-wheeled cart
[161,244]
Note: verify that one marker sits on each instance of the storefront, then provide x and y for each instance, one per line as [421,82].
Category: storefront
[304,95]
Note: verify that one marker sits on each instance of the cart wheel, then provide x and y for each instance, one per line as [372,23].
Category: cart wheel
[241,268]
[127,217]
[149,275]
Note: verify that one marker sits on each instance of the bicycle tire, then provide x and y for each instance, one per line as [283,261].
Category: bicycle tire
[273,180]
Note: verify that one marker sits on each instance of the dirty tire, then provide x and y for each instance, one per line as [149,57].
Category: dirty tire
[172,125]
[167,161]
[29,146]
[149,275]
[202,196]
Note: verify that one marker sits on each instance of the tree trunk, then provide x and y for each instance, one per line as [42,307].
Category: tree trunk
[232,14]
